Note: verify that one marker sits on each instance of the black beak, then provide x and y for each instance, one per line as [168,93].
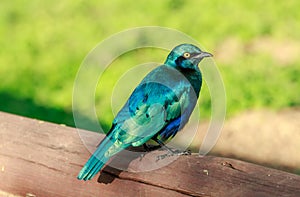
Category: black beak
[202,55]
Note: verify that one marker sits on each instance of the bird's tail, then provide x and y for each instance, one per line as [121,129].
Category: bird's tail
[97,160]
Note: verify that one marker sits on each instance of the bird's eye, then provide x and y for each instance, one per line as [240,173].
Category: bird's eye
[186,55]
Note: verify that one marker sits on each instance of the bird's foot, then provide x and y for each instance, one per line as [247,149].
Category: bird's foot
[186,152]
[173,153]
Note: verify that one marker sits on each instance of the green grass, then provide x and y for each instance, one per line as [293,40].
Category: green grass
[44,42]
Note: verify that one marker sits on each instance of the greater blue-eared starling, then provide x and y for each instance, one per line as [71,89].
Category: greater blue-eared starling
[156,110]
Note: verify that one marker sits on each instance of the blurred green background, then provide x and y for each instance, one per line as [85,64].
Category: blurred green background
[256,45]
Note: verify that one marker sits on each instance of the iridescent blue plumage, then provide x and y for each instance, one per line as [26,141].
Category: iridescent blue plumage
[157,109]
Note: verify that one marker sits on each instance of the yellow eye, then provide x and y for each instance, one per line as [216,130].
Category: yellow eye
[186,55]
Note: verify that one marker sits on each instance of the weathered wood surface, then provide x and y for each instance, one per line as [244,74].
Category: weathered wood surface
[43,159]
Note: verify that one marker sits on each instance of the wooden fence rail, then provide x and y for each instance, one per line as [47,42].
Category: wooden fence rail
[43,159]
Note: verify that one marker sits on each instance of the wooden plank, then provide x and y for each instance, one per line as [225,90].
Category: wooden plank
[43,159]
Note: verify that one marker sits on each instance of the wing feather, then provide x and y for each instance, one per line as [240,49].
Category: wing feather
[149,109]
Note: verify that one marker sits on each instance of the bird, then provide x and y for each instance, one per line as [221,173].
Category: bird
[156,110]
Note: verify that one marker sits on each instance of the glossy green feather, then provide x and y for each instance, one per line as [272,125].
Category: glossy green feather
[157,109]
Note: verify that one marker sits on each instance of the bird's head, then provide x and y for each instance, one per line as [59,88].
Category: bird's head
[186,56]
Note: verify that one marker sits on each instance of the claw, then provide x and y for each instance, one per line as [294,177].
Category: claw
[186,152]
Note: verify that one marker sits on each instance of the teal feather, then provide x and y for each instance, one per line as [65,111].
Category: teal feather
[157,109]
[97,160]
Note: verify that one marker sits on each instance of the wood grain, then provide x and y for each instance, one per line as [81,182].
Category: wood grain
[43,159]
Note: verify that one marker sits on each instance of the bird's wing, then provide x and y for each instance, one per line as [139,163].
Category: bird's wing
[149,109]
[182,108]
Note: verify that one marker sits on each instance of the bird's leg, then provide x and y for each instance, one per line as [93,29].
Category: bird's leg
[148,149]
[170,151]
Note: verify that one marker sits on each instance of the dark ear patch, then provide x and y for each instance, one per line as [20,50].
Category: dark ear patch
[179,60]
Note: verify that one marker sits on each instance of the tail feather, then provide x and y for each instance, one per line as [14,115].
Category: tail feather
[96,161]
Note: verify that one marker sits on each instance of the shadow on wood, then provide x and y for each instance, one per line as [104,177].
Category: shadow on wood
[43,159]
[107,178]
